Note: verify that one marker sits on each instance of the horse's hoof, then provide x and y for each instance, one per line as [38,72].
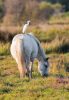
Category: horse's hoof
[45,75]
[27,74]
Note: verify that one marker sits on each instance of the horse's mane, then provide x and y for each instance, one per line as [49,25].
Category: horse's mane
[40,50]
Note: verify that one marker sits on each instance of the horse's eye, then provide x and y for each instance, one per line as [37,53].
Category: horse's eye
[46,59]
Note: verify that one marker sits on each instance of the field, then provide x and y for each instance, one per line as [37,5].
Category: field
[55,42]
[53,87]
[50,24]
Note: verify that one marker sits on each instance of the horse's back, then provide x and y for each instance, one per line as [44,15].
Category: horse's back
[24,44]
[30,45]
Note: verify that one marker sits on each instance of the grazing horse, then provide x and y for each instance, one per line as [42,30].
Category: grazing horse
[24,49]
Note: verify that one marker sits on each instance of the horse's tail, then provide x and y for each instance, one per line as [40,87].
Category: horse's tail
[20,57]
[19,50]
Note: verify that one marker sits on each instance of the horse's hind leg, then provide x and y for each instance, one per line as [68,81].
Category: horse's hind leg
[21,67]
[21,70]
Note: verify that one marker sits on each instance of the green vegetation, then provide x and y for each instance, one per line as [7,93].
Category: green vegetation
[1,9]
[50,24]
[4,48]
[53,38]
[62,18]
[10,14]
[53,87]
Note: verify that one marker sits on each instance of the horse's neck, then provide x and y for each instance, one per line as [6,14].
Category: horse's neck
[41,53]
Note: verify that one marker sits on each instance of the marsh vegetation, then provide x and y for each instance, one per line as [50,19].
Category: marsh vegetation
[50,24]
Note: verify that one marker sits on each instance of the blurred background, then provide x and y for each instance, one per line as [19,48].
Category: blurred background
[15,12]
[49,23]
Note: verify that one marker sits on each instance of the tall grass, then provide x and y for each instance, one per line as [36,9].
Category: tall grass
[53,38]
[4,48]
[8,32]
[61,18]
[57,45]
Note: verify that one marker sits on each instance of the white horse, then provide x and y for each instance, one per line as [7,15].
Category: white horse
[24,49]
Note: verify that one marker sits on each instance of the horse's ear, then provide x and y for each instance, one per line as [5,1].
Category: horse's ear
[46,59]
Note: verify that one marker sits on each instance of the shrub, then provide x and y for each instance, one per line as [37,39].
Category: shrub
[66,66]
[46,10]
[1,9]
[4,48]
[57,7]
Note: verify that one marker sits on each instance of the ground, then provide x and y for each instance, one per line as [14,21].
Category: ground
[53,87]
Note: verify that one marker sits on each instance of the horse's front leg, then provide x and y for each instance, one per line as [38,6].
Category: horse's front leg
[30,70]
[29,67]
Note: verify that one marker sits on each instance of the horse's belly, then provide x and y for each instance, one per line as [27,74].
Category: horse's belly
[31,48]
[34,52]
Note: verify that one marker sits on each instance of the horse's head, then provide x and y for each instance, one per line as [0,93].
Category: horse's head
[43,67]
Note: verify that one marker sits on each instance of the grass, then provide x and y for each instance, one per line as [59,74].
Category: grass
[4,48]
[57,45]
[54,38]
[61,18]
[44,32]
[52,88]
[56,85]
